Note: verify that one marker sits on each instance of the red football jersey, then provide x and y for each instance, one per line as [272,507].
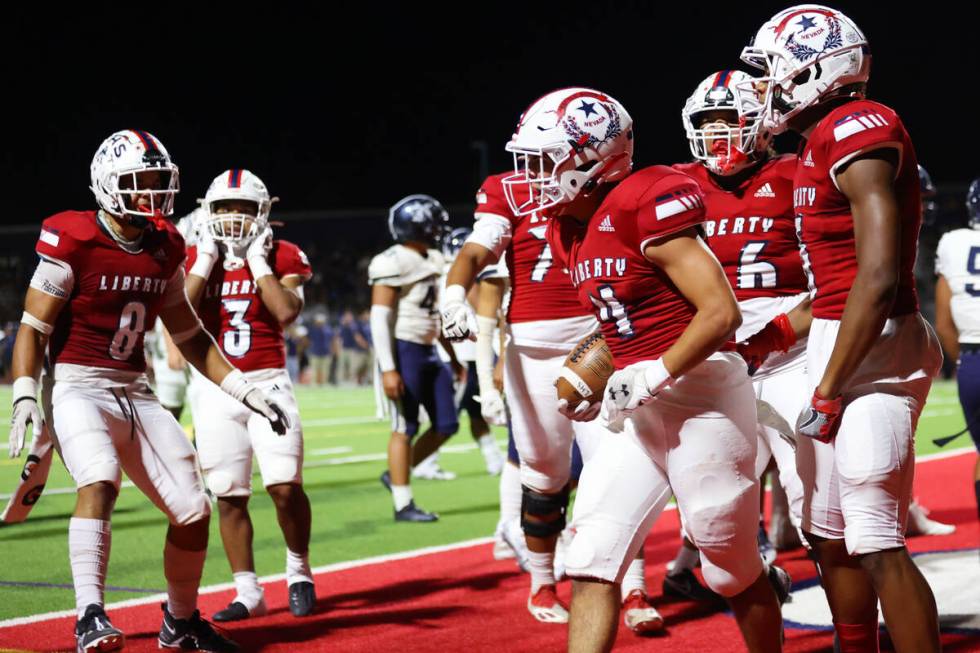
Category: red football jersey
[232,312]
[752,230]
[116,294]
[640,311]
[827,225]
[539,289]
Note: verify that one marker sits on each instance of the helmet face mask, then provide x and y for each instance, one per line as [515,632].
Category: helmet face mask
[133,177]
[567,143]
[236,206]
[723,122]
[808,54]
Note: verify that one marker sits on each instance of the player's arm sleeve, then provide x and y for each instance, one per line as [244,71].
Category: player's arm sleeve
[385,269]
[864,131]
[53,277]
[671,204]
[492,232]
[382,329]
[941,256]
[175,293]
[292,261]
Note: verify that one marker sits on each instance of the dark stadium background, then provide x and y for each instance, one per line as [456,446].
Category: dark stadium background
[345,107]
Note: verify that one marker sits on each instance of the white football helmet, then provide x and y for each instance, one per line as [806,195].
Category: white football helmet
[722,148]
[119,159]
[807,52]
[566,143]
[236,229]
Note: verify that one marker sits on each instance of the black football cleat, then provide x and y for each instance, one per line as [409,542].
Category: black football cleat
[386,480]
[236,611]
[194,634]
[412,513]
[94,632]
[685,586]
[302,599]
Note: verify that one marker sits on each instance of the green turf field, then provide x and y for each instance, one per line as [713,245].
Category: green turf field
[352,514]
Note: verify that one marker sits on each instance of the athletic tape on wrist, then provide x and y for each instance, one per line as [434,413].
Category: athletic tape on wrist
[236,385]
[25,387]
[36,324]
[454,294]
[259,267]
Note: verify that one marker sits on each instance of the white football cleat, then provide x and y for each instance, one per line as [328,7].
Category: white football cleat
[430,470]
[920,524]
[511,532]
[639,616]
[494,459]
[545,606]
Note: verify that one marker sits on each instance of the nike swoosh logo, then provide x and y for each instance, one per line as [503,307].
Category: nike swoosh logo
[168,627]
[809,420]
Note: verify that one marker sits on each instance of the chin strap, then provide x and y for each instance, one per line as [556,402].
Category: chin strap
[232,260]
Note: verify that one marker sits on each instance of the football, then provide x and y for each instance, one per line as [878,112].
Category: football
[586,370]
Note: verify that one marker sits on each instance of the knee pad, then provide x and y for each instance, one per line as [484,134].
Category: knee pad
[195,507]
[224,484]
[544,507]
[598,550]
[723,525]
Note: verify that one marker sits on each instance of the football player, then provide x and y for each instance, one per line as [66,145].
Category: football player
[544,322]
[103,278]
[469,397]
[871,356]
[405,281]
[246,285]
[958,314]
[750,227]
[631,245]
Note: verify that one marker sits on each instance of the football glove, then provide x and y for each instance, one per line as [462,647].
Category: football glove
[777,335]
[630,388]
[583,412]
[458,319]
[492,407]
[25,412]
[821,419]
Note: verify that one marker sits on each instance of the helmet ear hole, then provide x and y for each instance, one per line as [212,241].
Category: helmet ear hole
[802,78]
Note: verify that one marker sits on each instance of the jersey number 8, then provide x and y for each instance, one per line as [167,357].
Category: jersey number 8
[132,323]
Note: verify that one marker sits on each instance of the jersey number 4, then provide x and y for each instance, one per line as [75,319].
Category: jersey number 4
[753,273]
[238,340]
[612,310]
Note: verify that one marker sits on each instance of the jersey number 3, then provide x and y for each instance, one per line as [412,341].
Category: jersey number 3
[237,341]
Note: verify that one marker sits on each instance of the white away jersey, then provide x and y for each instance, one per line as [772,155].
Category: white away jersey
[958,259]
[417,278]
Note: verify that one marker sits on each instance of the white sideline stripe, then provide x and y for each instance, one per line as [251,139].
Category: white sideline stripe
[220,587]
[350,564]
[329,462]
[340,421]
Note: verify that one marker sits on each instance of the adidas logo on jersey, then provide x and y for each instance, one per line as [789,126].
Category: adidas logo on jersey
[808,161]
[765,191]
[606,224]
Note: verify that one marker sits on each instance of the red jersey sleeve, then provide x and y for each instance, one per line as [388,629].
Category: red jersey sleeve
[191,257]
[862,127]
[57,243]
[672,203]
[290,260]
[491,199]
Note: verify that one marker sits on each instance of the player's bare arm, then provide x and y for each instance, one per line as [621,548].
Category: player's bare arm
[384,305]
[469,262]
[283,297]
[949,337]
[175,360]
[868,182]
[700,279]
[40,312]
[200,350]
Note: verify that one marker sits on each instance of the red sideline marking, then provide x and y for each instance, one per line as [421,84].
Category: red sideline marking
[461,599]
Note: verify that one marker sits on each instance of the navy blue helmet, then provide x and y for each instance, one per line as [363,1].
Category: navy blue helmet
[454,240]
[927,191]
[973,204]
[419,218]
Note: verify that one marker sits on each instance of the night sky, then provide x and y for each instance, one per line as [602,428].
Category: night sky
[355,105]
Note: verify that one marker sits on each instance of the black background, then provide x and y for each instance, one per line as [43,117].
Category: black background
[351,105]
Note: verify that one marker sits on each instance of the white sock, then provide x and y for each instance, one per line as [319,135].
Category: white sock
[634,579]
[250,593]
[401,495]
[89,542]
[298,567]
[686,559]
[510,493]
[542,568]
[182,569]
[488,445]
